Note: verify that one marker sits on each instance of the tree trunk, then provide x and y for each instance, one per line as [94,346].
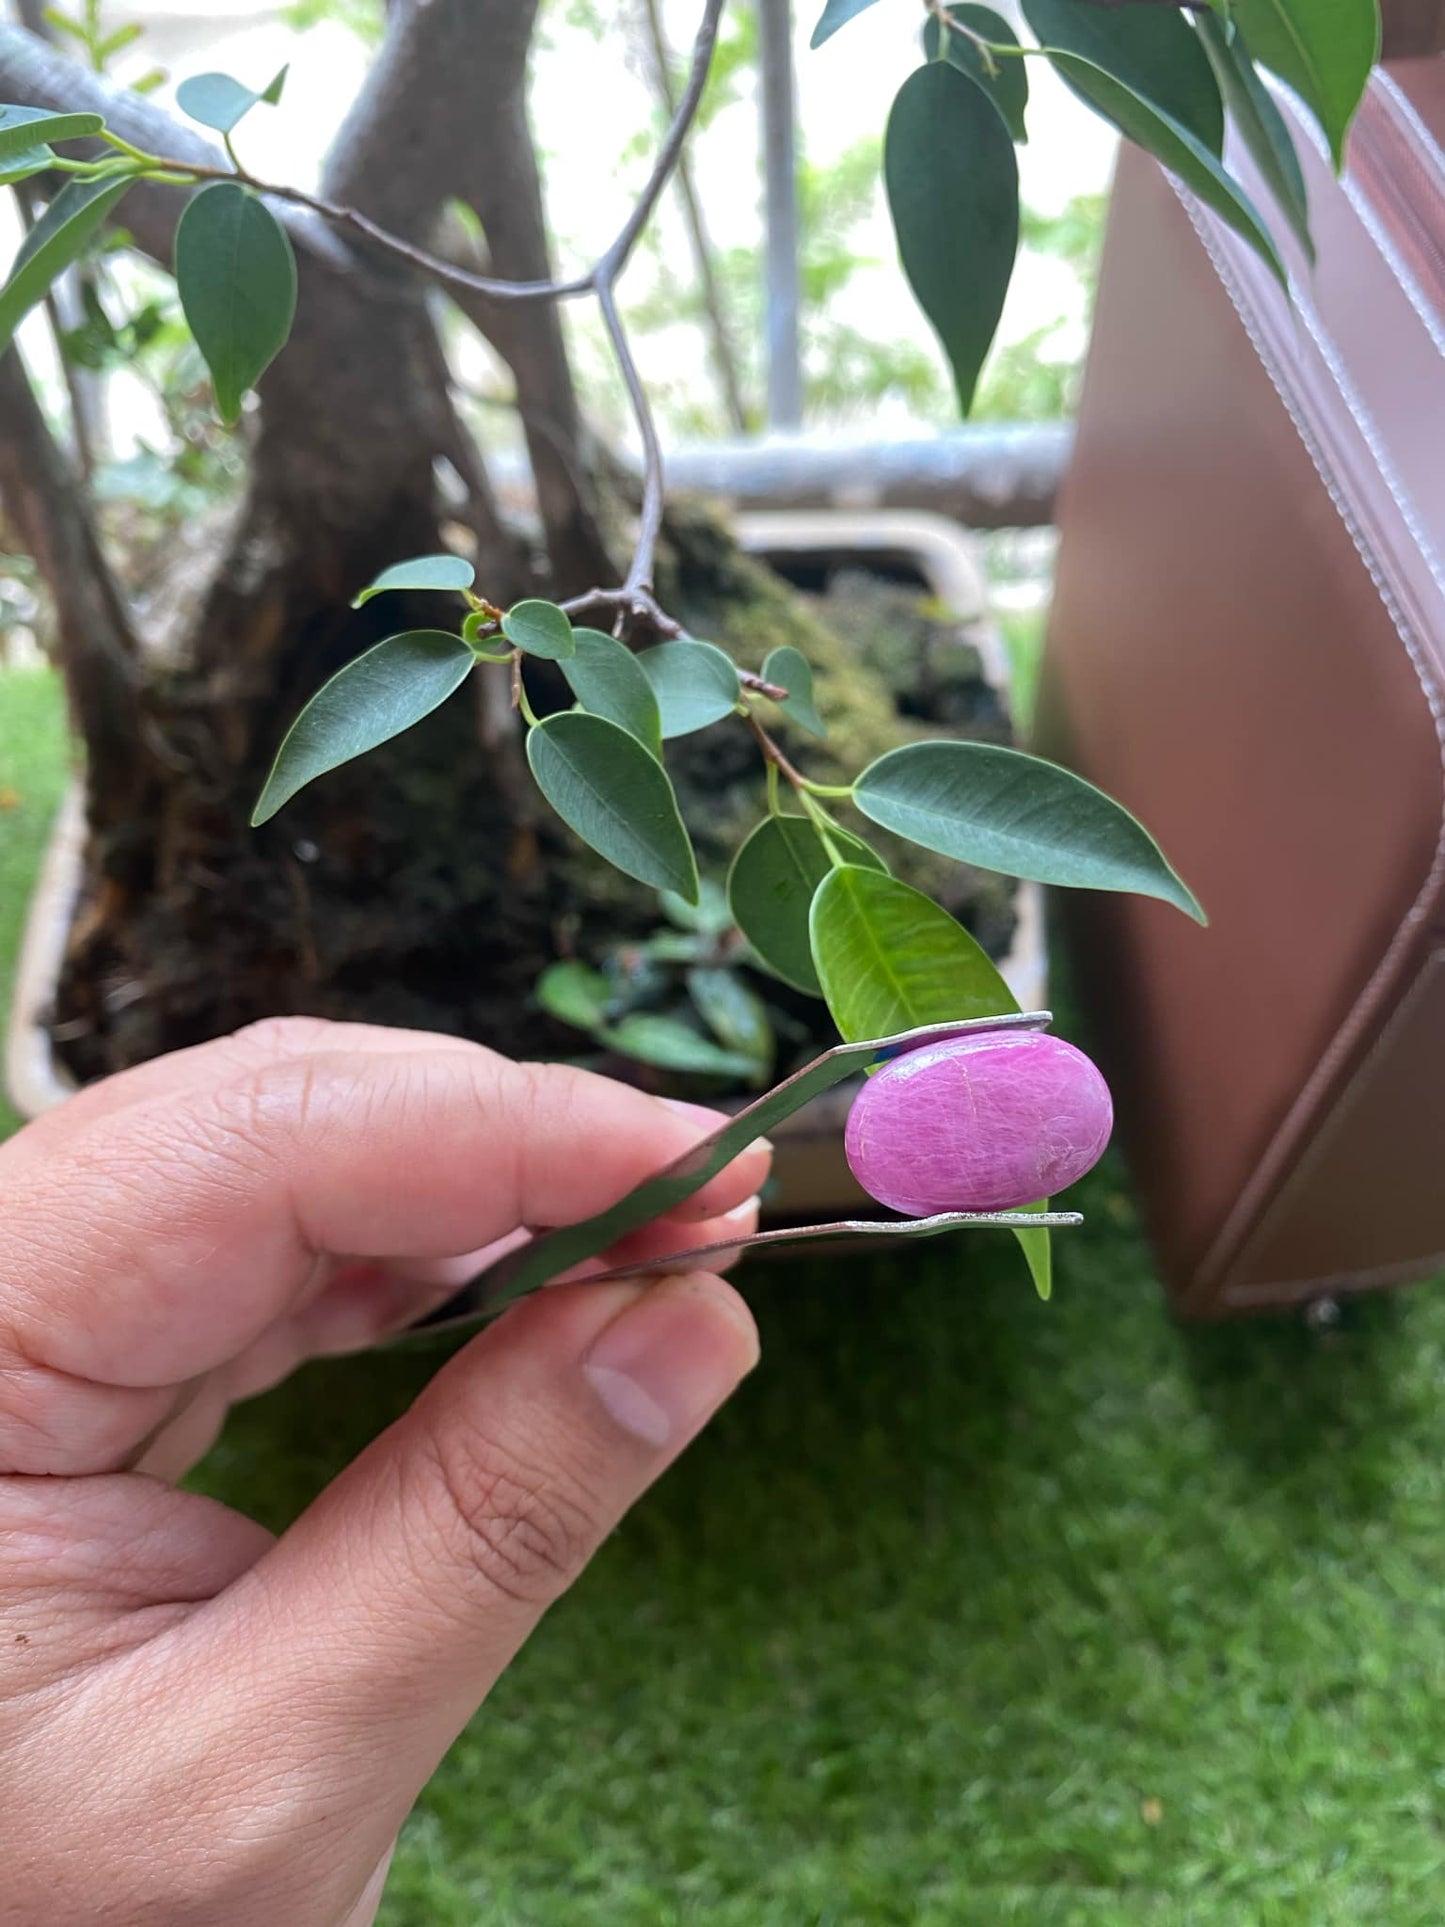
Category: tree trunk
[422,885]
[387,889]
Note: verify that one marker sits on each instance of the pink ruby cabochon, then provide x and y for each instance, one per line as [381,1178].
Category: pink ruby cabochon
[982,1123]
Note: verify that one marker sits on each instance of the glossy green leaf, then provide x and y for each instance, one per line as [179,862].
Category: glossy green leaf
[1008,85]
[368,702]
[575,994]
[673,1045]
[616,796]
[608,680]
[218,101]
[836,14]
[1323,48]
[694,682]
[1037,1247]
[1151,51]
[789,669]
[953,192]
[236,276]
[889,958]
[58,238]
[1002,810]
[1260,124]
[771,886]
[733,1012]
[539,629]
[24,128]
[21,166]
[421,572]
[1179,151]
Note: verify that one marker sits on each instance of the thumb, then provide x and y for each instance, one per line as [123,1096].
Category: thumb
[375,1627]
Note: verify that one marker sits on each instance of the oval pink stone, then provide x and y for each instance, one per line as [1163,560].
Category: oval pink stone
[981,1123]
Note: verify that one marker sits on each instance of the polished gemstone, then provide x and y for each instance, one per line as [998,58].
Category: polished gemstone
[981,1123]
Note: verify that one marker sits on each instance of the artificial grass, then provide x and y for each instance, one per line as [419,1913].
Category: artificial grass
[32,775]
[968,1610]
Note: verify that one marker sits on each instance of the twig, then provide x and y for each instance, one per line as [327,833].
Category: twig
[604,270]
[775,756]
[634,600]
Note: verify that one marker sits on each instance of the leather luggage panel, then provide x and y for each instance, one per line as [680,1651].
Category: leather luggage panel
[1247,647]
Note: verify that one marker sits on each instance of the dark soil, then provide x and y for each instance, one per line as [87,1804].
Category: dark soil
[423,886]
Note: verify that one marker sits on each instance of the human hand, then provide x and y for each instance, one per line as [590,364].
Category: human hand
[200,1723]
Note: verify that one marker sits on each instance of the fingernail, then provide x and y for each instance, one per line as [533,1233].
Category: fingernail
[671,1358]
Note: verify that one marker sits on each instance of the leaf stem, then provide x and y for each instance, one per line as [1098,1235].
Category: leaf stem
[519,690]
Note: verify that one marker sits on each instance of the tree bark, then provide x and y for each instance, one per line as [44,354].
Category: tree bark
[97,650]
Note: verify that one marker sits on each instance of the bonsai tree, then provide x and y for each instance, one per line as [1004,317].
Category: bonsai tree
[334,618]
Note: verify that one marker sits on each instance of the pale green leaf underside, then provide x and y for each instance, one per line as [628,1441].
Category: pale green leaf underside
[695,684]
[608,680]
[788,668]
[23,128]
[420,572]
[539,629]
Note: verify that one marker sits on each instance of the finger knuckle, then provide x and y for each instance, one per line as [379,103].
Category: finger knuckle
[524,1529]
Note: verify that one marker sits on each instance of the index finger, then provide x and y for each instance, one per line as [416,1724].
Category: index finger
[154,1244]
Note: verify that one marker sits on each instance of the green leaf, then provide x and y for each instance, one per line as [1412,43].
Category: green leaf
[889,958]
[216,100]
[608,680]
[1003,810]
[616,796]
[734,1013]
[58,238]
[707,913]
[1151,51]
[1260,124]
[672,1045]
[953,193]
[20,167]
[23,128]
[1179,151]
[539,629]
[771,885]
[421,572]
[1008,86]
[790,670]
[574,993]
[1323,48]
[836,14]
[368,702]
[694,682]
[1037,1247]
[236,276]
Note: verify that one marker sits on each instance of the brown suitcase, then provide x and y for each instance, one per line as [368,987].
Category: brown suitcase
[1248,648]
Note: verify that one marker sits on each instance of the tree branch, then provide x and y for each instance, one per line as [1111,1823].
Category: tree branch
[97,648]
